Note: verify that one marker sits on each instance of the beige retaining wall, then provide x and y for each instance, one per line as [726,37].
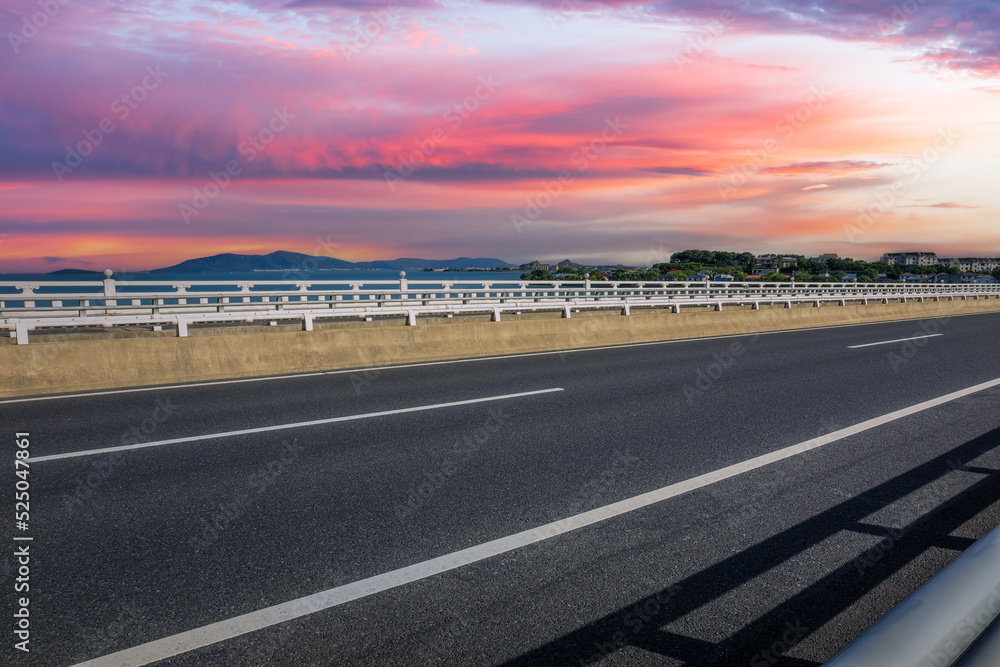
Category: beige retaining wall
[78,365]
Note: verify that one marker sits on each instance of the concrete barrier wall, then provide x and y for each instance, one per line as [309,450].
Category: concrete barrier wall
[42,368]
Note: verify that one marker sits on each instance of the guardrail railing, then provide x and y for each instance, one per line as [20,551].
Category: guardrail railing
[950,620]
[25,307]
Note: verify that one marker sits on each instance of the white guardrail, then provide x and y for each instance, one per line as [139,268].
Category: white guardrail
[66,304]
[952,620]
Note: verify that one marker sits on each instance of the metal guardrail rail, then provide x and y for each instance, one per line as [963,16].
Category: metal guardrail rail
[952,620]
[108,303]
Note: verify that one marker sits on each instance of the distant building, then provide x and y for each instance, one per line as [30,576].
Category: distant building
[972,264]
[946,278]
[963,278]
[827,257]
[911,258]
[776,262]
[723,277]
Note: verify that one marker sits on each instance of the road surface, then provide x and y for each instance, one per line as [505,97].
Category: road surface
[610,506]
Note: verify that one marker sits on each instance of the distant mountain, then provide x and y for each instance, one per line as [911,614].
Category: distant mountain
[276,261]
[416,263]
[64,272]
[283,260]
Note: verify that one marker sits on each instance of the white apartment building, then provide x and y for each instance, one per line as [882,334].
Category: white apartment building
[911,258]
[972,264]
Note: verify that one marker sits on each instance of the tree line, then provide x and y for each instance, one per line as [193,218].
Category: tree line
[741,264]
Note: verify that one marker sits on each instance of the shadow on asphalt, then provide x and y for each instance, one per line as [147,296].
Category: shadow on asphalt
[812,607]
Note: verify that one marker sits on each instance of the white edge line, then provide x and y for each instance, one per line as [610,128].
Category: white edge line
[898,340]
[364,369]
[280,427]
[190,640]
[158,387]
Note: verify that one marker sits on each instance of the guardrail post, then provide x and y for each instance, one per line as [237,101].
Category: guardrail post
[411,318]
[109,283]
[307,322]
[566,314]
[245,289]
[21,332]
[182,327]
[625,309]
[303,288]
[28,289]
[403,283]
[496,315]
[109,289]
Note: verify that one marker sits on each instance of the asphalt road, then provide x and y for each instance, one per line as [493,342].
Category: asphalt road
[779,564]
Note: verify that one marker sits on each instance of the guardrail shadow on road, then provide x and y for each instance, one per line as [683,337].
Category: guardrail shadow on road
[813,606]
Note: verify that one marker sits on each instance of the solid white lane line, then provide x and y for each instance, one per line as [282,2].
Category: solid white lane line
[183,642]
[368,369]
[281,427]
[898,340]
[131,390]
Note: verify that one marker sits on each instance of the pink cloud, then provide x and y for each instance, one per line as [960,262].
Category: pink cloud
[482,148]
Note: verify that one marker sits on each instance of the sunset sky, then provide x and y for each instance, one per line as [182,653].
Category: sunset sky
[138,133]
